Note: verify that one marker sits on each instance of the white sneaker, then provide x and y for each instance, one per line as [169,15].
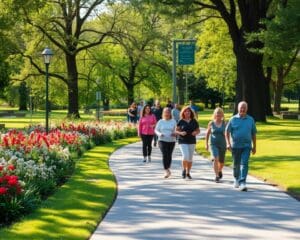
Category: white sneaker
[243,187]
[149,158]
[236,184]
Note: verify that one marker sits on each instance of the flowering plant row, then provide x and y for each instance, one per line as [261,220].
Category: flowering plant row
[33,163]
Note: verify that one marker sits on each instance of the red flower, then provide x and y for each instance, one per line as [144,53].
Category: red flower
[3,190]
[13,180]
[1,168]
[11,167]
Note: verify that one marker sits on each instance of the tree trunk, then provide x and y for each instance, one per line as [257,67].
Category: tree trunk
[268,81]
[278,89]
[130,93]
[250,85]
[73,105]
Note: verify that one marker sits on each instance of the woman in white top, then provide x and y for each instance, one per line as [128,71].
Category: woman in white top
[165,130]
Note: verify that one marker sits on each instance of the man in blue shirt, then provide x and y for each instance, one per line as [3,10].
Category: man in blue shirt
[241,140]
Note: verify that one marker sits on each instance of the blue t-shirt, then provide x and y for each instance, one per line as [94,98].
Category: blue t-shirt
[241,129]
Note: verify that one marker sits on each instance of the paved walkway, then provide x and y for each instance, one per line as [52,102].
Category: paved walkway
[151,207]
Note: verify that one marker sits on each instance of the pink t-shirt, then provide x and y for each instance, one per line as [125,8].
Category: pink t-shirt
[147,125]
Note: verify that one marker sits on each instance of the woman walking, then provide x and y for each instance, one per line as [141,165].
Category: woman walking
[165,130]
[215,141]
[187,129]
[146,131]
[132,113]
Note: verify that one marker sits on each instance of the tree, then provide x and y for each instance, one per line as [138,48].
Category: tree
[214,60]
[282,47]
[65,25]
[133,46]
[241,18]
[23,96]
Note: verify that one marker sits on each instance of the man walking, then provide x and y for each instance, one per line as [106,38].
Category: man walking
[241,140]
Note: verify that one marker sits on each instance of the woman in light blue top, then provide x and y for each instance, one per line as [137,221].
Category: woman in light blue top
[215,138]
[165,130]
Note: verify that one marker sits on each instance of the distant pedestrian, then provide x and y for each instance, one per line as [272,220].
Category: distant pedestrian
[215,141]
[176,112]
[139,109]
[146,131]
[132,113]
[241,140]
[157,111]
[187,129]
[165,130]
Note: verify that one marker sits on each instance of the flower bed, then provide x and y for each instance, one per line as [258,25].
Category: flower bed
[33,164]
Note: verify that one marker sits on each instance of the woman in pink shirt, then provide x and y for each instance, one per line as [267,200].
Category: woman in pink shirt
[146,131]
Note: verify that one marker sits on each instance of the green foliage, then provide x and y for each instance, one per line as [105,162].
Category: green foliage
[215,59]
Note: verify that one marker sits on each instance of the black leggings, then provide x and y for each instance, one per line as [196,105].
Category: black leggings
[147,141]
[166,149]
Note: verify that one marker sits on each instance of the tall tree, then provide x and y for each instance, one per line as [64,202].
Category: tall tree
[282,46]
[134,44]
[65,25]
[241,17]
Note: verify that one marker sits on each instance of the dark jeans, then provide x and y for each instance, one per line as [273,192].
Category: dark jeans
[166,149]
[147,141]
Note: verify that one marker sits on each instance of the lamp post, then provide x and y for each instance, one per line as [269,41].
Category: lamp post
[47,54]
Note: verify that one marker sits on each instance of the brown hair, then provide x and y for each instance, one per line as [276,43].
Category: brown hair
[144,108]
[187,108]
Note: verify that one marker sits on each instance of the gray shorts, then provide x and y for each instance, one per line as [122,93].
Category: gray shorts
[218,152]
[187,151]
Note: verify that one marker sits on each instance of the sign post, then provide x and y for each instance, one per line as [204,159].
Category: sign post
[186,56]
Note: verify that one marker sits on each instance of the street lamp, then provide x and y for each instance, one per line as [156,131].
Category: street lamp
[47,54]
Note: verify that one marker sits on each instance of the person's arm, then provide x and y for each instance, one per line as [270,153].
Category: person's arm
[227,136]
[253,144]
[207,135]
[140,128]
[197,129]
[157,129]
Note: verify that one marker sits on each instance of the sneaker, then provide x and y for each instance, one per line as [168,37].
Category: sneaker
[217,179]
[145,159]
[220,174]
[189,176]
[168,174]
[236,184]
[184,173]
[243,187]
[149,158]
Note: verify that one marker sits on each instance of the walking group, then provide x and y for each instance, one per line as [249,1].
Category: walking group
[166,126]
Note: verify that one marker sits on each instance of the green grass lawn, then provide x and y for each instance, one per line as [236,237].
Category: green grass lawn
[38,117]
[277,160]
[74,211]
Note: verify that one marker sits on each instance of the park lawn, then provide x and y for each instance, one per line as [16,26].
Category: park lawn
[76,208]
[38,117]
[277,160]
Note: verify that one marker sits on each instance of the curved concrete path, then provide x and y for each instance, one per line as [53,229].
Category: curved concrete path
[151,207]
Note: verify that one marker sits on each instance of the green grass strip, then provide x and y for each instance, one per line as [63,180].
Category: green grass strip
[76,208]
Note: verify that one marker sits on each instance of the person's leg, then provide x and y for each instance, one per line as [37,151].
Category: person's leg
[163,148]
[170,148]
[236,155]
[149,146]
[144,142]
[184,152]
[191,150]
[215,157]
[221,161]
[245,154]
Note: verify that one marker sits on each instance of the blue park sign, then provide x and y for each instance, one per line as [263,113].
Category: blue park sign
[186,54]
